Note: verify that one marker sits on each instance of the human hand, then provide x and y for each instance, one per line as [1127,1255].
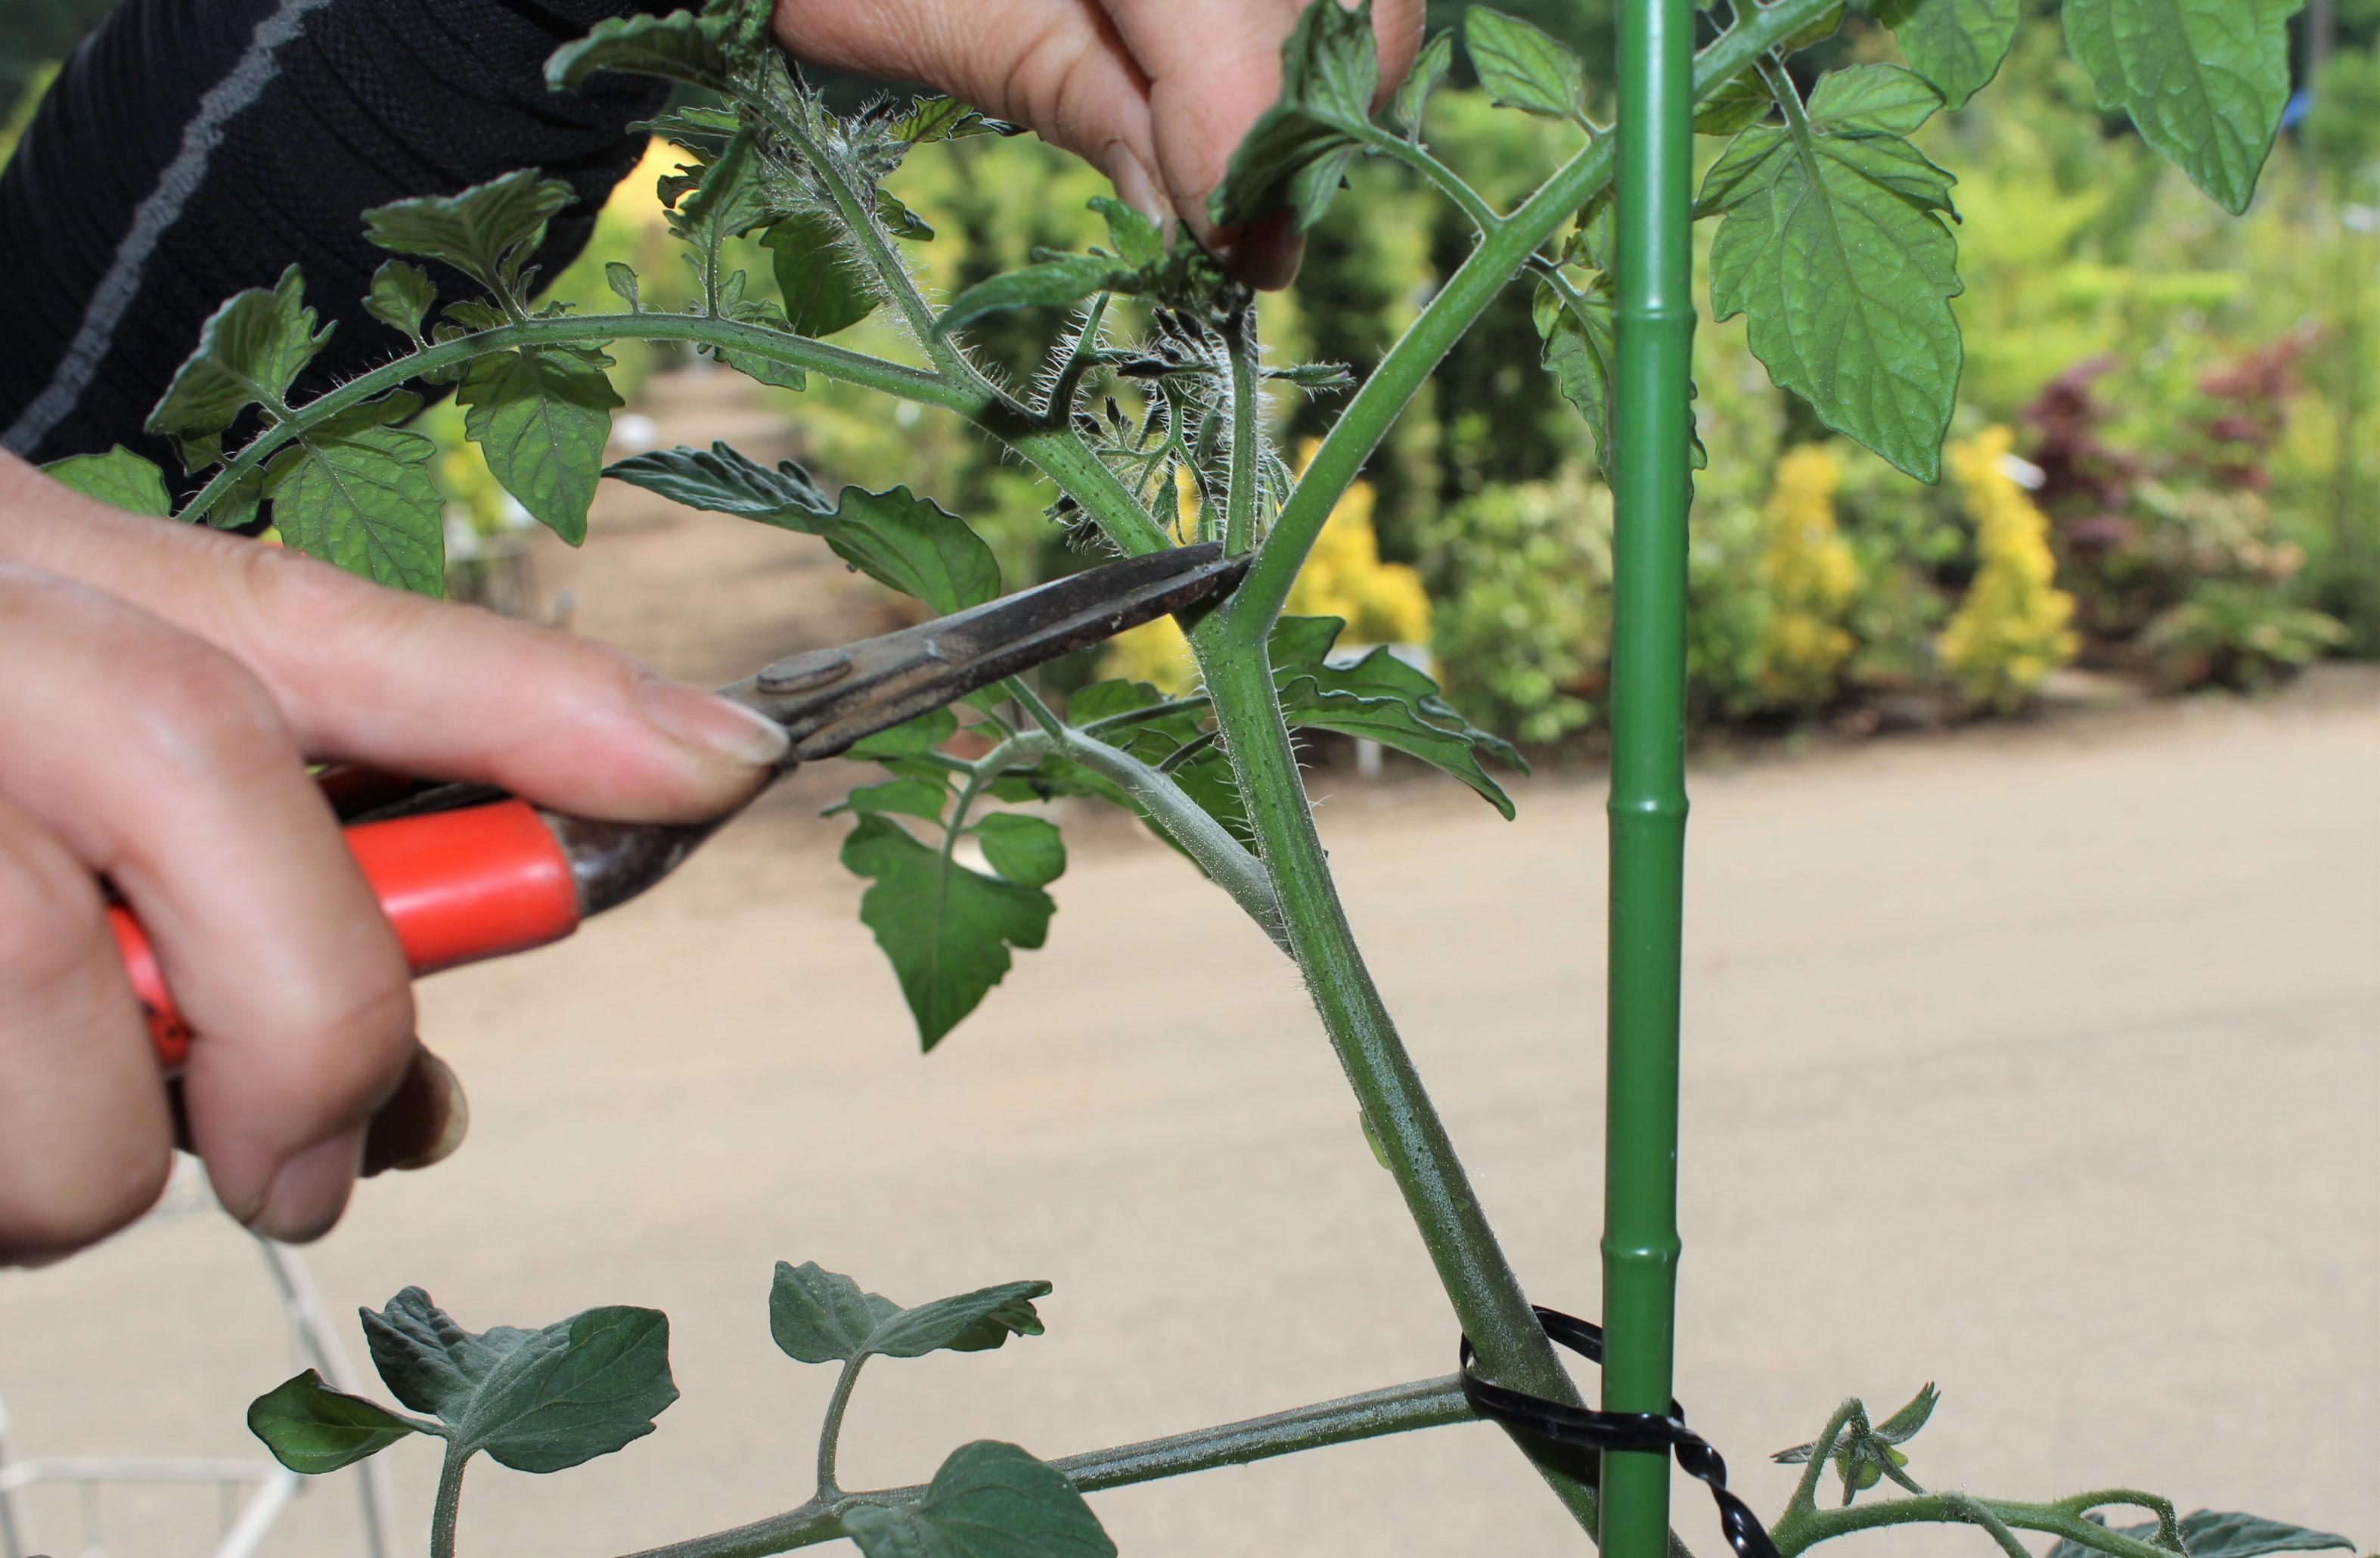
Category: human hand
[165,688]
[1155,93]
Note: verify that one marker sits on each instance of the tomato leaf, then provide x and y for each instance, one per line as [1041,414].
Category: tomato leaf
[1296,153]
[1053,282]
[819,1316]
[895,538]
[1523,66]
[1742,100]
[118,477]
[912,794]
[1882,98]
[680,46]
[1833,246]
[1581,352]
[312,1429]
[363,499]
[542,417]
[990,1499]
[946,930]
[2204,80]
[401,295]
[946,118]
[825,289]
[2208,1533]
[1381,699]
[1025,850]
[249,351]
[1956,45]
[1411,105]
[487,232]
[537,1401]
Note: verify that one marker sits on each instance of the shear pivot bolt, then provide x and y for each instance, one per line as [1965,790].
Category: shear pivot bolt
[802,672]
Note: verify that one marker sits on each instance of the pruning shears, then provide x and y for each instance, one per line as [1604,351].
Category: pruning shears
[467,872]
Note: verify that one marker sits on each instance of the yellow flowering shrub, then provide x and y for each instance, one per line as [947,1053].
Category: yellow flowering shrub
[1811,578]
[2010,630]
[1344,577]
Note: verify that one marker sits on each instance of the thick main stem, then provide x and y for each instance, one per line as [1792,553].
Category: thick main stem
[1487,1296]
[1652,427]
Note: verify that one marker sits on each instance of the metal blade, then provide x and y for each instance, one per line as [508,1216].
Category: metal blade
[830,699]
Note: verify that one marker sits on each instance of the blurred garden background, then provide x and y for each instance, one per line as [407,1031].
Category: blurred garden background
[2164,468]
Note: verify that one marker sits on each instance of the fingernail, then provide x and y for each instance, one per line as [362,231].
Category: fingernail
[713,724]
[1136,186]
[310,1190]
[423,1122]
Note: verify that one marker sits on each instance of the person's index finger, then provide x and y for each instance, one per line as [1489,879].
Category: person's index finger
[421,686]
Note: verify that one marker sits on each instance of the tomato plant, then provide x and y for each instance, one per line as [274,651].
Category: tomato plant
[1834,235]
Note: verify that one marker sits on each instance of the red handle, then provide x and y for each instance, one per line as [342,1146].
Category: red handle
[459,886]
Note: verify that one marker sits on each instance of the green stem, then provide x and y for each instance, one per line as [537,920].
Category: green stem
[1209,843]
[1425,1403]
[1381,397]
[1805,1491]
[831,1430]
[1799,1530]
[448,1504]
[1487,1296]
[1450,183]
[859,218]
[1247,435]
[588,330]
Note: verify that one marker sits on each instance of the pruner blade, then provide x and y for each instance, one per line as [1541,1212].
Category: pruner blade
[829,700]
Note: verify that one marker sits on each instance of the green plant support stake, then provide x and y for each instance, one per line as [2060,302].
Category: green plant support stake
[1655,323]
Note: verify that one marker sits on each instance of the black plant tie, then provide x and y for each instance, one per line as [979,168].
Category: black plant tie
[1586,1429]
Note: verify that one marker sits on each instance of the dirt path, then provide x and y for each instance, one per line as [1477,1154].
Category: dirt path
[2043,1064]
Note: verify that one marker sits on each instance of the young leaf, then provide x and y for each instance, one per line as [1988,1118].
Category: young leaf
[946,118]
[1296,154]
[1381,699]
[542,417]
[1053,283]
[912,795]
[364,500]
[680,46]
[825,289]
[428,1362]
[400,296]
[1956,45]
[819,1315]
[118,477]
[249,350]
[2204,80]
[895,538]
[312,1429]
[1026,850]
[487,232]
[1135,238]
[1523,66]
[722,481]
[1581,352]
[579,1388]
[990,1499]
[1411,105]
[622,279]
[946,930]
[1831,244]
[762,314]
[2209,1533]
